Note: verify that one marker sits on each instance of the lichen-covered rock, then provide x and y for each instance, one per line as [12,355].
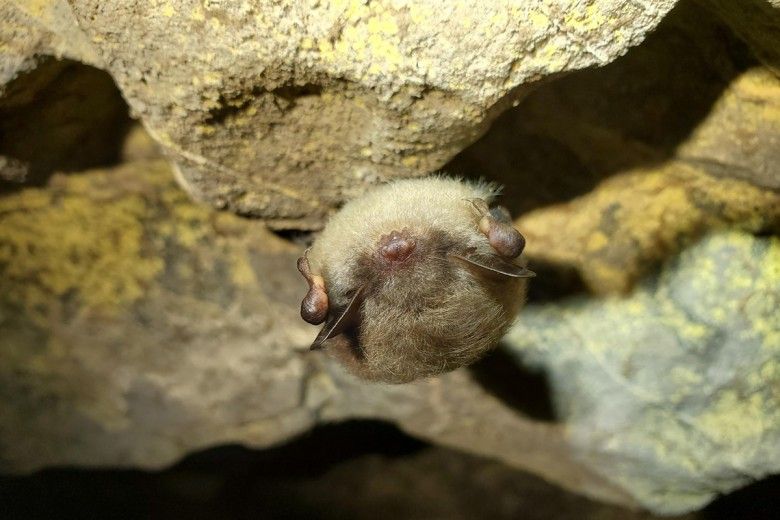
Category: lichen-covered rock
[285,110]
[673,392]
[32,29]
[614,169]
[631,222]
[136,326]
[740,137]
[126,311]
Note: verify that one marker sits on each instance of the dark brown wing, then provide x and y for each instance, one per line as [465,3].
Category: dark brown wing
[493,266]
[340,320]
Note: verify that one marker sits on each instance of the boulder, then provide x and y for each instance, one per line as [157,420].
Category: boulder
[137,325]
[284,111]
[672,393]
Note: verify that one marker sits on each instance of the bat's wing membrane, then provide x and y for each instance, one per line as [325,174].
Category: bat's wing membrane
[340,320]
[493,266]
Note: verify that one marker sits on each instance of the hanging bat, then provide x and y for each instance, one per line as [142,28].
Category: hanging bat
[415,278]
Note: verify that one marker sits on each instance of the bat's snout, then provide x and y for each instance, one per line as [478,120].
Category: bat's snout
[396,247]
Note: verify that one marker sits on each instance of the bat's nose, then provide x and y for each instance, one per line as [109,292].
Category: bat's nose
[396,246]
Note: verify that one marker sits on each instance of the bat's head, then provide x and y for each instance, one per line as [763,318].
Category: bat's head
[416,297]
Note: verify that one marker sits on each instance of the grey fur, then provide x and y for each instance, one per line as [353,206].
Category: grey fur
[427,313]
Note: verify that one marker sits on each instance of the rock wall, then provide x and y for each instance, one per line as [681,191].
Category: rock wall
[286,110]
[137,325]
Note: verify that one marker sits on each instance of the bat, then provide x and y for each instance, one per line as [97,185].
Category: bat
[415,278]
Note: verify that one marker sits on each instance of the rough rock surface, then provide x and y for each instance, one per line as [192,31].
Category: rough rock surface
[614,169]
[32,29]
[673,392]
[285,110]
[126,309]
[55,114]
[136,326]
[616,233]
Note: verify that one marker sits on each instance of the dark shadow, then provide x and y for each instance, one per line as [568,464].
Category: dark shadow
[285,97]
[223,482]
[553,282]
[296,236]
[354,470]
[758,501]
[516,386]
[312,453]
[572,132]
[62,116]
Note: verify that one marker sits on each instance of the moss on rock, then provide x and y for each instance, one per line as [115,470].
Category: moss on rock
[634,220]
[81,240]
[672,392]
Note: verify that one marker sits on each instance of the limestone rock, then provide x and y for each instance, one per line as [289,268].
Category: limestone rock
[285,110]
[740,137]
[673,392]
[614,169]
[59,116]
[125,309]
[33,29]
[617,233]
[136,326]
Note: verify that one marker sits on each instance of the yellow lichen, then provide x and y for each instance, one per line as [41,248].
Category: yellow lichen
[241,272]
[761,309]
[539,20]
[410,161]
[54,245]
[586,19]
[197,14]
[735,419]
[94,237]
[652,213]
[369,34]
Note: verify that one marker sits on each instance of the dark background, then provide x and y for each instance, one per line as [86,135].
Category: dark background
[352,470]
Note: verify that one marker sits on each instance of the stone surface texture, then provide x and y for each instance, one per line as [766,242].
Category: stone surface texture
[57,112]
[673,392]
[285,110]
[613,169]
[137,325]
[35,28]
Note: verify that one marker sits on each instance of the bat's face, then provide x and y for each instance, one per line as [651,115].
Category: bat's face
[418,300]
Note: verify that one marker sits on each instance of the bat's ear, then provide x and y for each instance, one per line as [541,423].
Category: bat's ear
[492,266]
[339,320]
[496,224]
[314,307]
